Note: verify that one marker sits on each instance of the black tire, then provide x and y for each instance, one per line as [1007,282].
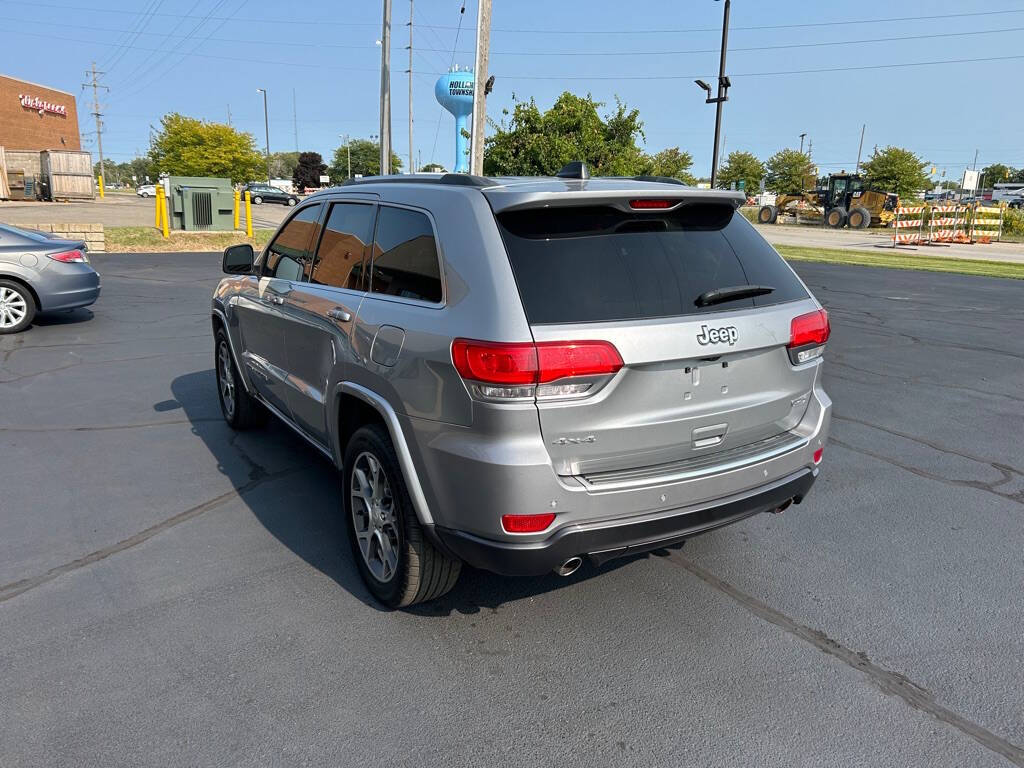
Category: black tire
[767,214]
[257,200]
[836,218]
[292,202]
[859,218]
[17,307]
[421,571]
[241,410]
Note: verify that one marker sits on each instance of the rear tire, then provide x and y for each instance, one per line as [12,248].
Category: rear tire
[17,307]
[397,562]
[860,218]
[836,218]
[292,202]
[241,410]
[767,214]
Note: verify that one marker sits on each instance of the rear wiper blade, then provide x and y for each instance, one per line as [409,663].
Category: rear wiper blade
[718,295]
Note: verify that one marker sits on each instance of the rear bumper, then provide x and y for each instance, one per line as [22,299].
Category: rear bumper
[67,286]
[619,538]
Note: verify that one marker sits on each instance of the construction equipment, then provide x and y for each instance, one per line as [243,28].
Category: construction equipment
[845,199]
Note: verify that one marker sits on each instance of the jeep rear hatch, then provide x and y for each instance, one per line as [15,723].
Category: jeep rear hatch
[697,310]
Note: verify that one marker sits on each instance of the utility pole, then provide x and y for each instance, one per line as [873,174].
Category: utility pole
[810,146]
[295,121]
[98,115]
[385,91]
[802,142]
[348,153]
[229,115]
[859,148]
[480,89]
[266,127]
[974,166]
[412,167]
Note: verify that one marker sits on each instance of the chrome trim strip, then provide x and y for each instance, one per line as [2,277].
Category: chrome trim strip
[642,477]
[412,480]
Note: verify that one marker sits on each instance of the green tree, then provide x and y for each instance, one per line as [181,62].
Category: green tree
[786,172]
[671,162]
[186,146]
[898,170]
[997,173]
[433,168]
[308,169]
[282,164]
[365,160]
[537,143]
[741,166]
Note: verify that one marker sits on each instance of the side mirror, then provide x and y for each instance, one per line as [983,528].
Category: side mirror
[238,259]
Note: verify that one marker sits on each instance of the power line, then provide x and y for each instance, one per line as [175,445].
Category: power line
[574,31]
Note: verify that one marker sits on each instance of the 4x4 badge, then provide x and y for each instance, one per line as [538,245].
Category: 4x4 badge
[717,335]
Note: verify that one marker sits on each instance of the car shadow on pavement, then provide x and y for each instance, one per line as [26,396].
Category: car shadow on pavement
[63,317]
[302,509]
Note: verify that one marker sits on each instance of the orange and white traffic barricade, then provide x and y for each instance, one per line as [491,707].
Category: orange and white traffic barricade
[986,223]
[945,224]
[908,224]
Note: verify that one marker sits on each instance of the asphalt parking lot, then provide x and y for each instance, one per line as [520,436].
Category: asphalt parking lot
[172,593]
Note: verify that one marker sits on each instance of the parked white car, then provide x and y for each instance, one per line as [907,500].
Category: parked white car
[146,190]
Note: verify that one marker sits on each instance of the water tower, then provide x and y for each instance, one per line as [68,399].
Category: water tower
[454,91]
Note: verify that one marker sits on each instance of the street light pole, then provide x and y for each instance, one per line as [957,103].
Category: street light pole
[802,142]
[723,90]
[266,127]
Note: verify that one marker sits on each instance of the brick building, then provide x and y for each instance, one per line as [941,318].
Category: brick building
[33,118]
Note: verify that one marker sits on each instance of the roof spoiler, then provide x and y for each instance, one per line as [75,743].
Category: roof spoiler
[574,170]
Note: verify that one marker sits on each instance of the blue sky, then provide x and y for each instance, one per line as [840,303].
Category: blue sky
[200,56]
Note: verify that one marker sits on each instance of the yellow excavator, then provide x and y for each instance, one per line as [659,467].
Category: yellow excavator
[845,199]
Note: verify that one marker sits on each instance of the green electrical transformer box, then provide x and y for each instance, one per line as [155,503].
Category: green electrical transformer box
[199,203]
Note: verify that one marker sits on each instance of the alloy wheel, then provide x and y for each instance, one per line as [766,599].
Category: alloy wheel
[13,307]
[226,374]
[373,517]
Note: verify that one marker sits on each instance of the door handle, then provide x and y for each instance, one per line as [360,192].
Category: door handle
[339,314]
[272,299]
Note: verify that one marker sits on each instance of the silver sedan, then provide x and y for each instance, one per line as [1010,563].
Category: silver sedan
[41,273]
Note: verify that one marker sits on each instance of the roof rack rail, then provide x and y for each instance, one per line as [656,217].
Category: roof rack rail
[574,170]
[456,179]
[660,179]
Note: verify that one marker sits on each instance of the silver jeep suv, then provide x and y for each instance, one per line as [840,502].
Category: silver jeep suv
[524,373]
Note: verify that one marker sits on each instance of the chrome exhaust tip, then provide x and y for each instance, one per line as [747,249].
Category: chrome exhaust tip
[782,507]
[569,567]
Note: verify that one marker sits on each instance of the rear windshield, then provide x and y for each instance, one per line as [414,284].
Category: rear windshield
[597,263]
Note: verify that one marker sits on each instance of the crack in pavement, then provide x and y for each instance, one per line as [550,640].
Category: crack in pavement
[13,589]
[107,427]
[887,681]
[1016,498]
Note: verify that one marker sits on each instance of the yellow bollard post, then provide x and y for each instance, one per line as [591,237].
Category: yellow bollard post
[101,186]
[166,210]
[248,214]
[238,204]
[156,209]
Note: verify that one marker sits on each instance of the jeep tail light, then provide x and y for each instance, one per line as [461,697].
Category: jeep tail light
[807,336]
[527,523]
[69,257]
[524,370]
[647,204]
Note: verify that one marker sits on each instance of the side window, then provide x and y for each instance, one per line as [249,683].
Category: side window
[405,259]
[340,257]
[288,255]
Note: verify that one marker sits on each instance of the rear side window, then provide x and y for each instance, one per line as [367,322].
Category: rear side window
[339,259]
[405,256]
[288,255]
[597,263]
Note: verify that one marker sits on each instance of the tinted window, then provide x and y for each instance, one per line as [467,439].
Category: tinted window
[590,264]
[405,256]
[288,255]
[339,259]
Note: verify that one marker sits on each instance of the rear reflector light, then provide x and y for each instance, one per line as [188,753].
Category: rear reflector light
[649,205]
[527,523]
[807,336]
[517,369]
[817,455]
[69,257]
